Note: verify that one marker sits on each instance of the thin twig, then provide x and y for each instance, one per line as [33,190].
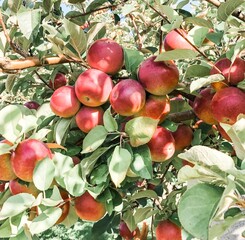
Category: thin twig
[161,38]
[41,78]
[181,116]
[137,32]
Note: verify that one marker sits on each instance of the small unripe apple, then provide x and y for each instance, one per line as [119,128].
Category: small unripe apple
[32,105]
[166,230]
[234,73]
[183,137]
[105,55]
[59,81]
[93,87]
[16,187]
[6,171]
[64,102]
[25,157]
[161,145]
[202,106]
[124,231]
[89,209]
[174,40]
[156,107]
[158,78]
[89,117]
[227,104]
[127,97]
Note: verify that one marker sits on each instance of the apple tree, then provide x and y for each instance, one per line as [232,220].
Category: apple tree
[129,115]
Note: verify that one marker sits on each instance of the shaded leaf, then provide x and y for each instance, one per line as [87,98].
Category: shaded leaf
[199,21]
[109,121]
[176,54]
[61,129]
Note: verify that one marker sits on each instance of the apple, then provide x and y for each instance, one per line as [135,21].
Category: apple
[89,209]
[89,117]
[65,206]
[106,55]
[93,87]
[25,157]
[156,107]
[2,186]
[161,145]
[124,231]
[32,105]
[76,160]
[166,230]
[64,102]
[183,137]
[127,97]
[202,106]
[233,73]
[174,40]
[6,171]
[158,78]
[17,186]
[59,81]
[227,104]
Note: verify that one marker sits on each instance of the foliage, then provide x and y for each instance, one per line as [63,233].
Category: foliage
[38,40]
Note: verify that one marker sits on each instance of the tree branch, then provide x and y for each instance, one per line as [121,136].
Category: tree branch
[181,116]
[8,65]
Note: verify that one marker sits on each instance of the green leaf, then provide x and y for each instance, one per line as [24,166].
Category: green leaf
[128,218]
[10,82]
[202,82]
[197,71]
[209,157]
[132,59]
[227,8]
[47,5]
[94,139]
[198,34]
[142,162]
[196,208]
[177,54]
[119,164]
[63,164]
[45,220]
[236,133]
[71,218]
[14,5]
[89,162]
[95,4]
[199,21]
[140,130]
[10,117]
[5,148]
[61,129]
[94,32]
[239,47]
[43,174]
[142,214]
[16,204]
[109,121]
[28,22]
[77,38]
[74,183]
[144,194]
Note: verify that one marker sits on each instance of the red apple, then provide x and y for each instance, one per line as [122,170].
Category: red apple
[158,78]
[6,171]
[127,97]
[16,186]
[161,145]
[166,230]
[234,73]
[105,55]
[89,117]
[183,137]
[76,160]
[174,40]
[227,104]
[32,105]
[59,81]
[89,209]
[202,106]
[64,102]
[26,156]
[2,187]
[93,87]
[156,107]
[124,231]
